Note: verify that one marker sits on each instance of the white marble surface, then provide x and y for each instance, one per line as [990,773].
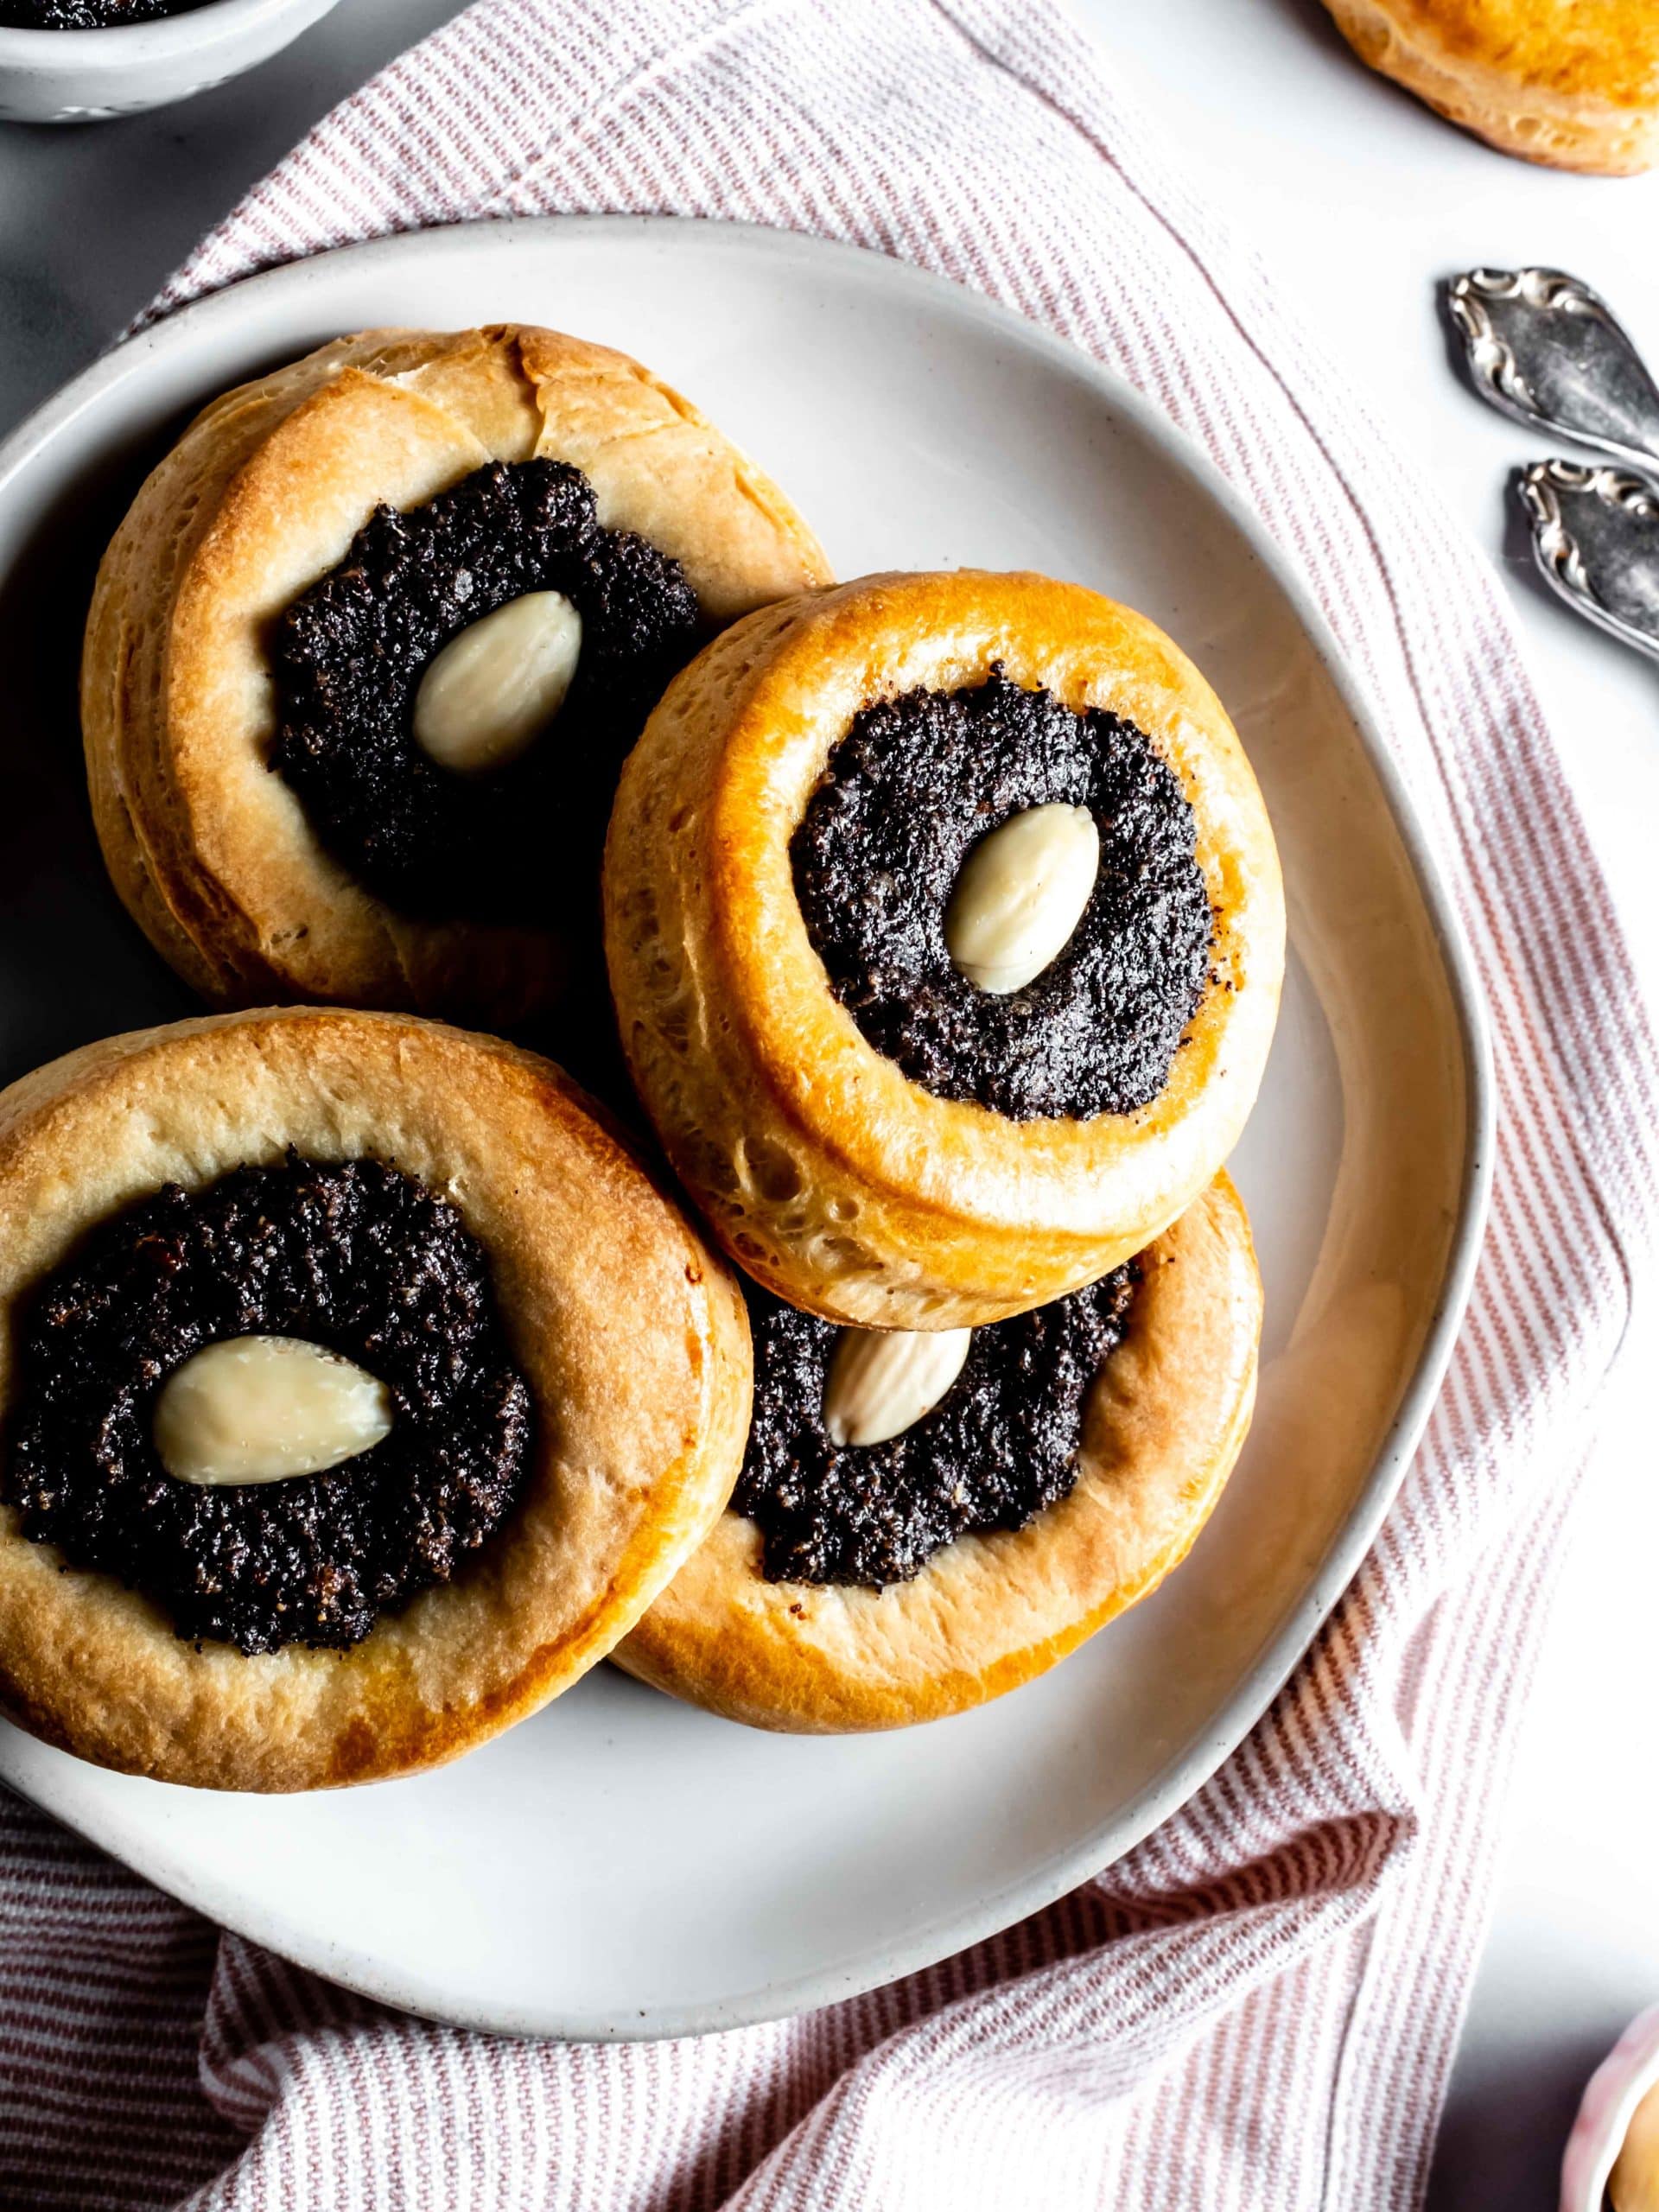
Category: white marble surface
[1357,200]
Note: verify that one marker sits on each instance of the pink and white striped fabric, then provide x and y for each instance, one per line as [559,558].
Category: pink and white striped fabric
[1256,2009]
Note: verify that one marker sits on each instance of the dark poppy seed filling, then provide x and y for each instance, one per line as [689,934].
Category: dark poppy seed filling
[356,1257]
[87,15]
[911,788]
[350,653]
[1000,1446]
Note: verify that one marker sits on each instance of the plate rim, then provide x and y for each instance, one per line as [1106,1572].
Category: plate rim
[1044,1883]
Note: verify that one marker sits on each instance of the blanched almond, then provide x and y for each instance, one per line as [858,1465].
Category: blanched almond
[498,684]
[259,1409]
[882,1381]
[1021,894]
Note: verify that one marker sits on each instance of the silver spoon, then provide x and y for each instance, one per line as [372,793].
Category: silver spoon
[1545,349]
[1595,537]
[1542,347]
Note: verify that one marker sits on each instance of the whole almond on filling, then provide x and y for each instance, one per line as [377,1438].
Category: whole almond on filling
[498,684]
[261,1409]
[1021,894]
[881,1382]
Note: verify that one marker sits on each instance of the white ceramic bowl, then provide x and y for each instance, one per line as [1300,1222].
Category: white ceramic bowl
[82,76]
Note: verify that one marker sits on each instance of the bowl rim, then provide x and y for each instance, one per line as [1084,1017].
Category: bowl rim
[161,39]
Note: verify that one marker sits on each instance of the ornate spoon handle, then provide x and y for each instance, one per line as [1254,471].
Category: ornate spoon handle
[1542,347]
[1595,537]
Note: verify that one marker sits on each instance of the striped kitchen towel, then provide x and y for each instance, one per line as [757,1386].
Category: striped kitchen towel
[1254,2010]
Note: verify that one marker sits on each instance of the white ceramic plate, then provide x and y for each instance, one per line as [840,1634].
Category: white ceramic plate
[622,1865]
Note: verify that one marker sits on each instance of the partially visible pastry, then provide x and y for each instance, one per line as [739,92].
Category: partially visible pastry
[922,1524]
[365,656]
[1573,84]
[945,929]
[358,1390]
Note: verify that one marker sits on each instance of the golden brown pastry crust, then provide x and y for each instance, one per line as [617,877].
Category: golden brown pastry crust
[843,1186]
[631,1336]
[212,852]
[1163,1425]
[1573,84]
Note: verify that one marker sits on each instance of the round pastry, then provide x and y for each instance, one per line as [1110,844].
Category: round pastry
[922,1524]
[1573,84]
[945,930]
[360,1390]
[372,642]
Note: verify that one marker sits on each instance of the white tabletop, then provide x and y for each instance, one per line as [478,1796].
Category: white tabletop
[1357,200]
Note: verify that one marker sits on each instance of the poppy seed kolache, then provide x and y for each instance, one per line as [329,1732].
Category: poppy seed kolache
[1573,84]
[927,1519]
[367,649]
[945,929]
[358,1390]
